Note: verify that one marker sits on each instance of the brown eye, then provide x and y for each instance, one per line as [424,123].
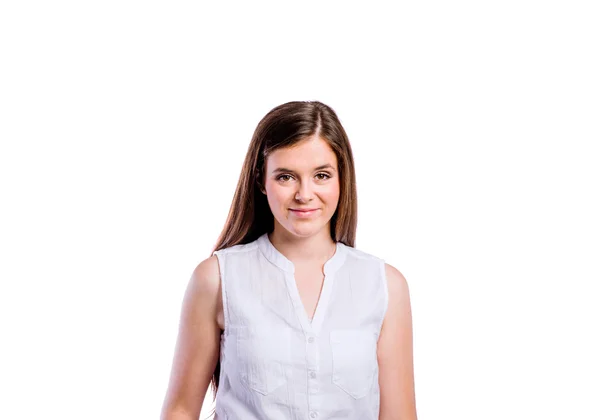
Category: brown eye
[282,176]
[326,176]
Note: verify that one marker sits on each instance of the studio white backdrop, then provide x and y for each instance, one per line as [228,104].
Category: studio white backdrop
[475,129]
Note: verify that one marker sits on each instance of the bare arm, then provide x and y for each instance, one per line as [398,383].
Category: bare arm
[395,353]
[197,349]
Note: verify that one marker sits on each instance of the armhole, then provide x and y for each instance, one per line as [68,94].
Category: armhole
[221,264]
[386,296]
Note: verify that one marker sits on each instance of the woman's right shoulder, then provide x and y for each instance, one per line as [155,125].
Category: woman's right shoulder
[204,286]
[206,276]
[208,272]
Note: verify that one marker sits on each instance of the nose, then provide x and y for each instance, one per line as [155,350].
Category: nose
[304,193]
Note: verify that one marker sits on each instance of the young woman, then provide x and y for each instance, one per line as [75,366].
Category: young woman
[287,318]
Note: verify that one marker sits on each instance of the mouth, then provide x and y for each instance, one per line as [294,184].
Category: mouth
[303,212]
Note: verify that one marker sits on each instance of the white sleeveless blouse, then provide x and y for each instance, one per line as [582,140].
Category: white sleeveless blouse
[277,364]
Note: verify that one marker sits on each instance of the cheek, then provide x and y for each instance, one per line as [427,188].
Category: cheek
[332,194]
[277,197]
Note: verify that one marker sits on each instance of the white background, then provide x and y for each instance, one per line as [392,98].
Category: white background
[474,126]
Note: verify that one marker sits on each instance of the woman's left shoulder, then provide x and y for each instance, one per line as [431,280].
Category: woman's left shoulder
[396,282]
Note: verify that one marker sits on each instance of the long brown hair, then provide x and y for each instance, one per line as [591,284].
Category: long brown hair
[285,125]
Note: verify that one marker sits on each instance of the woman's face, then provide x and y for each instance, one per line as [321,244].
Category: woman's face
[303,176]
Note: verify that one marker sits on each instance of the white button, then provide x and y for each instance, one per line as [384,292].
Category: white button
[311,339]
[313,414]
[313,374]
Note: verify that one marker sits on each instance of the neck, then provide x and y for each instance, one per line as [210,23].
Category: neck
[316,248]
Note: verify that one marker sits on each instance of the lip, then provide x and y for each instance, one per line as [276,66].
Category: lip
[304,212]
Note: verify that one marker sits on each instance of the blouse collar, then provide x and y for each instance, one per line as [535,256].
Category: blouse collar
[277,258]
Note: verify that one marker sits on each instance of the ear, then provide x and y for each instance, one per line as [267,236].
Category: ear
[260,185]
[261,188]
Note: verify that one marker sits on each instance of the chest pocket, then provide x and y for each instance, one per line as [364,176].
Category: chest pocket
[262,356]
[354,354]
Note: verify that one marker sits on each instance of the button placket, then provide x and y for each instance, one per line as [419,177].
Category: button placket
[312,358]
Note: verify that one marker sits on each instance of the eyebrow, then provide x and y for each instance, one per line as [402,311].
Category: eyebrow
[326,166]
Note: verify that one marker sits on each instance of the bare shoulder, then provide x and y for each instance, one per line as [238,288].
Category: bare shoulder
[203,294]
[398,316]
[205,288]
[397,284]
[206,277]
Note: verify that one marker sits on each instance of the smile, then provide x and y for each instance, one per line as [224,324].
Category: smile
[304,213]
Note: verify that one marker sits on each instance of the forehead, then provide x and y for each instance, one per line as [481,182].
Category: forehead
[307,154]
